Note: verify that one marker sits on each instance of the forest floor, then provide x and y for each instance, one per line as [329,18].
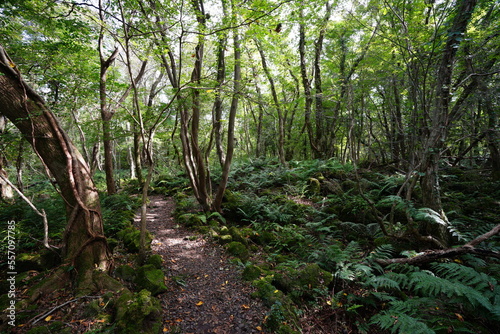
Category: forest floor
[206,293]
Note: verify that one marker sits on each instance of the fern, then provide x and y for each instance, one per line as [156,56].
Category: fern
[383,282]
[400,323]
[466,275]
[333,258]
[430,285]
[383,252]
[429,215]
[360,230]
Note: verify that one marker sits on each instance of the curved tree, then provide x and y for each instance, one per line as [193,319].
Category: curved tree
[84,245]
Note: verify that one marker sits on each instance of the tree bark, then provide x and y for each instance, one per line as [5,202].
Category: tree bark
[440,113]
[277,105]
[106,115]
[440,119]
[84,244]
[216,205]
[318,100]
[306,84]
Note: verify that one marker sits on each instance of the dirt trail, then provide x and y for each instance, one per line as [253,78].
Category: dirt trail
[206,293]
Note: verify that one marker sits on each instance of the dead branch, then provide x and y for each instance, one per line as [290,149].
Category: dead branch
[43,316]
[432,255]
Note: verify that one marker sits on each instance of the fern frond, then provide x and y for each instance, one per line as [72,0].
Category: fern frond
[429,285]
[466,275]
[383,297]
[400,323]
[383,282]
[430,215]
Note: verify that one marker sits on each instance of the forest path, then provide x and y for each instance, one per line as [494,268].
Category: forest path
[206,293]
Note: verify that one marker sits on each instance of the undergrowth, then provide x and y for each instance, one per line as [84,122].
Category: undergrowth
[322,213]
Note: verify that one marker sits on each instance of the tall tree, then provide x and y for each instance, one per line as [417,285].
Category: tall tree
[439,122]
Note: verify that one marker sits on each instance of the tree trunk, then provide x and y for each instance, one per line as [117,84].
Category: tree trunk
[216,205]
[84,244]
[217,109]
[306,84]
[493,135]
[106,115]
[319,111]
[440,116]
[277,105]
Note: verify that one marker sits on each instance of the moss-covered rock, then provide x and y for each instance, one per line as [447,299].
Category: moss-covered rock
[125,272]
[282,309]
[156,260]
[224,239]
[138,313]
[251,272]
[151,279]
[332,187]
[263,238]
[235,233]
[279,318]
[92,309]
[26,261]
[302,283]
[266,291]
[131,238]
[237,249]
[313,186]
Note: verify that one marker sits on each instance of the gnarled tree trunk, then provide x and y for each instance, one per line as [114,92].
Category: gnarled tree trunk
[85,246]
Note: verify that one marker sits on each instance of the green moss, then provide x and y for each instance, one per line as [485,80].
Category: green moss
[138,313]
[302,283]
[279,317]
[192,219]
[225,239]
[266,291]
[251,272]
[313,186]
[25,262]
[238,250]
[237,235]
[151,279]
[92,309]
[156,260]
[131,238]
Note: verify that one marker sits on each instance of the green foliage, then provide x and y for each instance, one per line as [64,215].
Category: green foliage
[118,212]
[168,184]
[400,323]
[29,225]
[443,288]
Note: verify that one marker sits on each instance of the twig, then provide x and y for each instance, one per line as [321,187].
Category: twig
[40,317]
[41,214]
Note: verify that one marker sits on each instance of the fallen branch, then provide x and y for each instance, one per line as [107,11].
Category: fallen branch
[43,316]
[432,255]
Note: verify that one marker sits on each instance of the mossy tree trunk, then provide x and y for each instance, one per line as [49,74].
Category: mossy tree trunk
[84,245]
